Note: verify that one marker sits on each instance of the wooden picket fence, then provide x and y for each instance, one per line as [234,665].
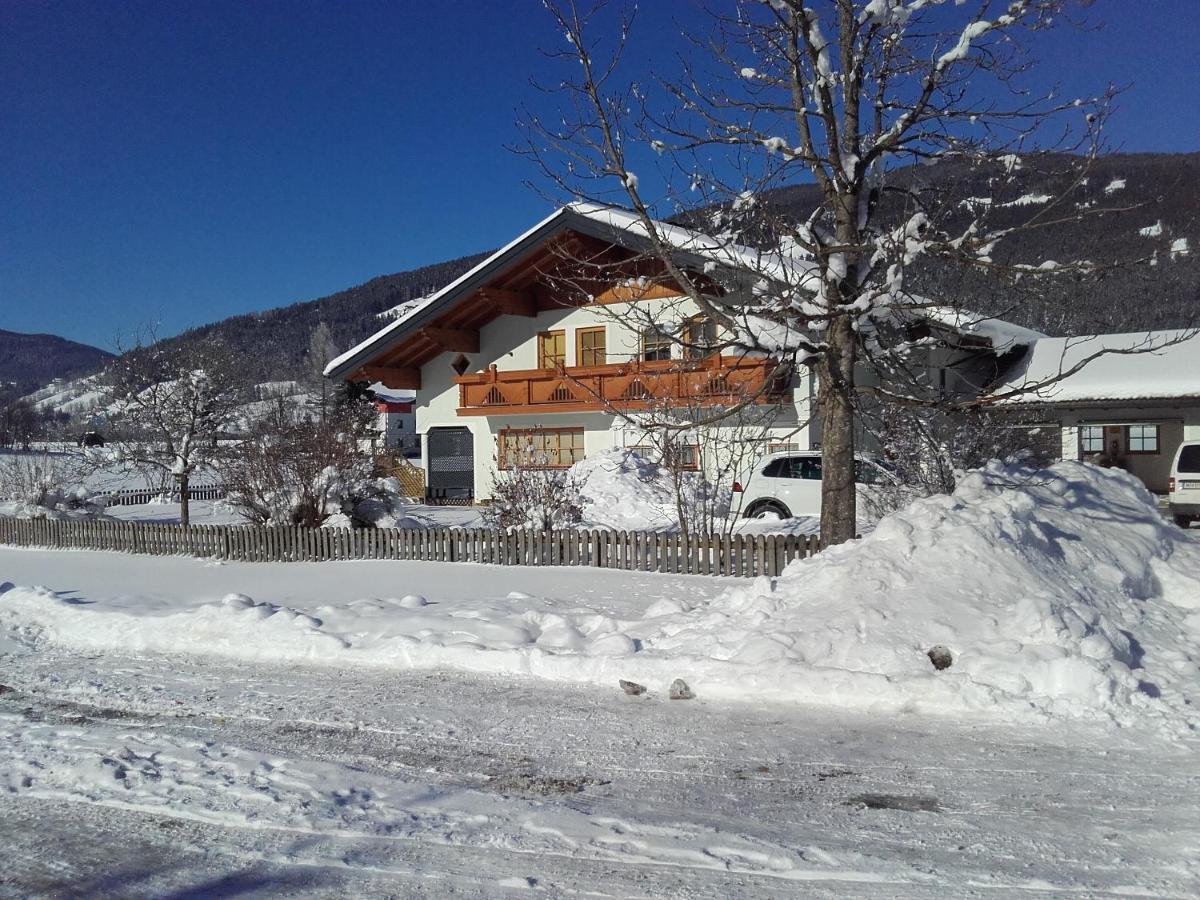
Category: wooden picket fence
[136,496]
[724,554]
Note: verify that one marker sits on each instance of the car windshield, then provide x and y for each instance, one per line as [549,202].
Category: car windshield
[869,471]
[1189,458]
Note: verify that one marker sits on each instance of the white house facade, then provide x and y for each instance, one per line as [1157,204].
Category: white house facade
[510,365]
[1121,399]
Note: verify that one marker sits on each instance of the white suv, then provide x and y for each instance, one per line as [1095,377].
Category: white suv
[1184,491]
[788,483]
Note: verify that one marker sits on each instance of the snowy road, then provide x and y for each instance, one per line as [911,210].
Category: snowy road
[154,777]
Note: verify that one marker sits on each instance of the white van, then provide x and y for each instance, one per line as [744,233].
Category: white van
[788,483]
[1184,487]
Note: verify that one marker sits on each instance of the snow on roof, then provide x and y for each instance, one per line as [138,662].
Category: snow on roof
[613,222]
[1143,365]
[680,239]
[391,395]
[1000,334]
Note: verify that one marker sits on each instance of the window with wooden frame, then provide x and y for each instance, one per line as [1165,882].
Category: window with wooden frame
[539,448]
[682,456]
[1091,439]
[699,337]
[1141,439]
[552,349]
[590,346]
[678,456]
[655,345]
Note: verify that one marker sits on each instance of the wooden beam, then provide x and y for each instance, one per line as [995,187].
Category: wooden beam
[404,379]
[457,340]
[511,303]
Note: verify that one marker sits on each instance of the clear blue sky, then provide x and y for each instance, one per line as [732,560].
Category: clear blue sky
[176,163]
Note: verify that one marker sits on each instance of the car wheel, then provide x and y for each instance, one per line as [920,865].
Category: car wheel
[1183,521]
[760,508]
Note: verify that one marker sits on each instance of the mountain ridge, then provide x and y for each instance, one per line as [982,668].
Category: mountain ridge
[1154,191]
[29,361]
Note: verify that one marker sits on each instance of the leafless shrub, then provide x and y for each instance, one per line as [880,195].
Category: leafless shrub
[533,497]
[926,450]
[42,484]
[292,470]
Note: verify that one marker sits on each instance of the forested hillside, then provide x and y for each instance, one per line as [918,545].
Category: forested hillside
[28,361]
[1136,217]
[1157,221]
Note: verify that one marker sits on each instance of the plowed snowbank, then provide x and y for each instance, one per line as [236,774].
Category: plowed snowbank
[1058,592]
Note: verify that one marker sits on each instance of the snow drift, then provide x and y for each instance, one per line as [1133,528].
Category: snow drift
[1058,592]
[622,490]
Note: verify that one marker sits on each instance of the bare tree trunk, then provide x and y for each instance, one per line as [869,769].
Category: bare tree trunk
[835,405]
[185,517]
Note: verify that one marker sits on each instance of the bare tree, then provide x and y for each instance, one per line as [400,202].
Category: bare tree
[168,406]
[293,470]
[321,349]
[849,95]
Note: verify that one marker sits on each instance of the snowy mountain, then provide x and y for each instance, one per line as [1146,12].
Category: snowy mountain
[1154,191]
[1155,219]
[28,361]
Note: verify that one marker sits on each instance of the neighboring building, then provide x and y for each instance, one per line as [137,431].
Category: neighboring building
[397,420]
[1119,399]
[512,364]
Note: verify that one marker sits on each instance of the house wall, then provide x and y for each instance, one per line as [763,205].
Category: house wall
[510,343]
[1176,424]
[399,429]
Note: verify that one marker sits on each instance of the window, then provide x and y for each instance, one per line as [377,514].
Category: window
[699,336]
[1091,439]
[1189,459]
[655,345]
[806,467]
[682,456]
[552,349]
[1142,439]
[678,456]
[460,364]
[540,448]
[590,346]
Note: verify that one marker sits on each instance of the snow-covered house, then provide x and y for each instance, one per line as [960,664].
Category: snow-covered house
[397,424]
[512,363]
[1128,399]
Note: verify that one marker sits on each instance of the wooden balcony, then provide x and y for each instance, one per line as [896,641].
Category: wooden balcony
[637,385]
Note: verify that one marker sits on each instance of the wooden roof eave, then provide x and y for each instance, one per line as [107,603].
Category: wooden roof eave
[495,267]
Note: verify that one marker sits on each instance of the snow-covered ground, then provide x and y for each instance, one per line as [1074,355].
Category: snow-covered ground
[177,725]
[153,776]
[1057,593]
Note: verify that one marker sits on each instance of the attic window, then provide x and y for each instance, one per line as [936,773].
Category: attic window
[460,364]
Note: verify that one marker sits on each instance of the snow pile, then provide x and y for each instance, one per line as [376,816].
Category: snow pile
[381,503]
[1054,593]
[45,486]
[1062,591]
[620,489]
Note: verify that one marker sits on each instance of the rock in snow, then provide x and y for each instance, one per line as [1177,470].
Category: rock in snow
[632,688]
[680,690]
[940,657]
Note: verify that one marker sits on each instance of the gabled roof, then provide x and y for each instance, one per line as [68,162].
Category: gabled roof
[618,227]
[1142,365]
[611,225]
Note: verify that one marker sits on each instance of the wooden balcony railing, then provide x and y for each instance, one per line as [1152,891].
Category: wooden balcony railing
[717,380]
